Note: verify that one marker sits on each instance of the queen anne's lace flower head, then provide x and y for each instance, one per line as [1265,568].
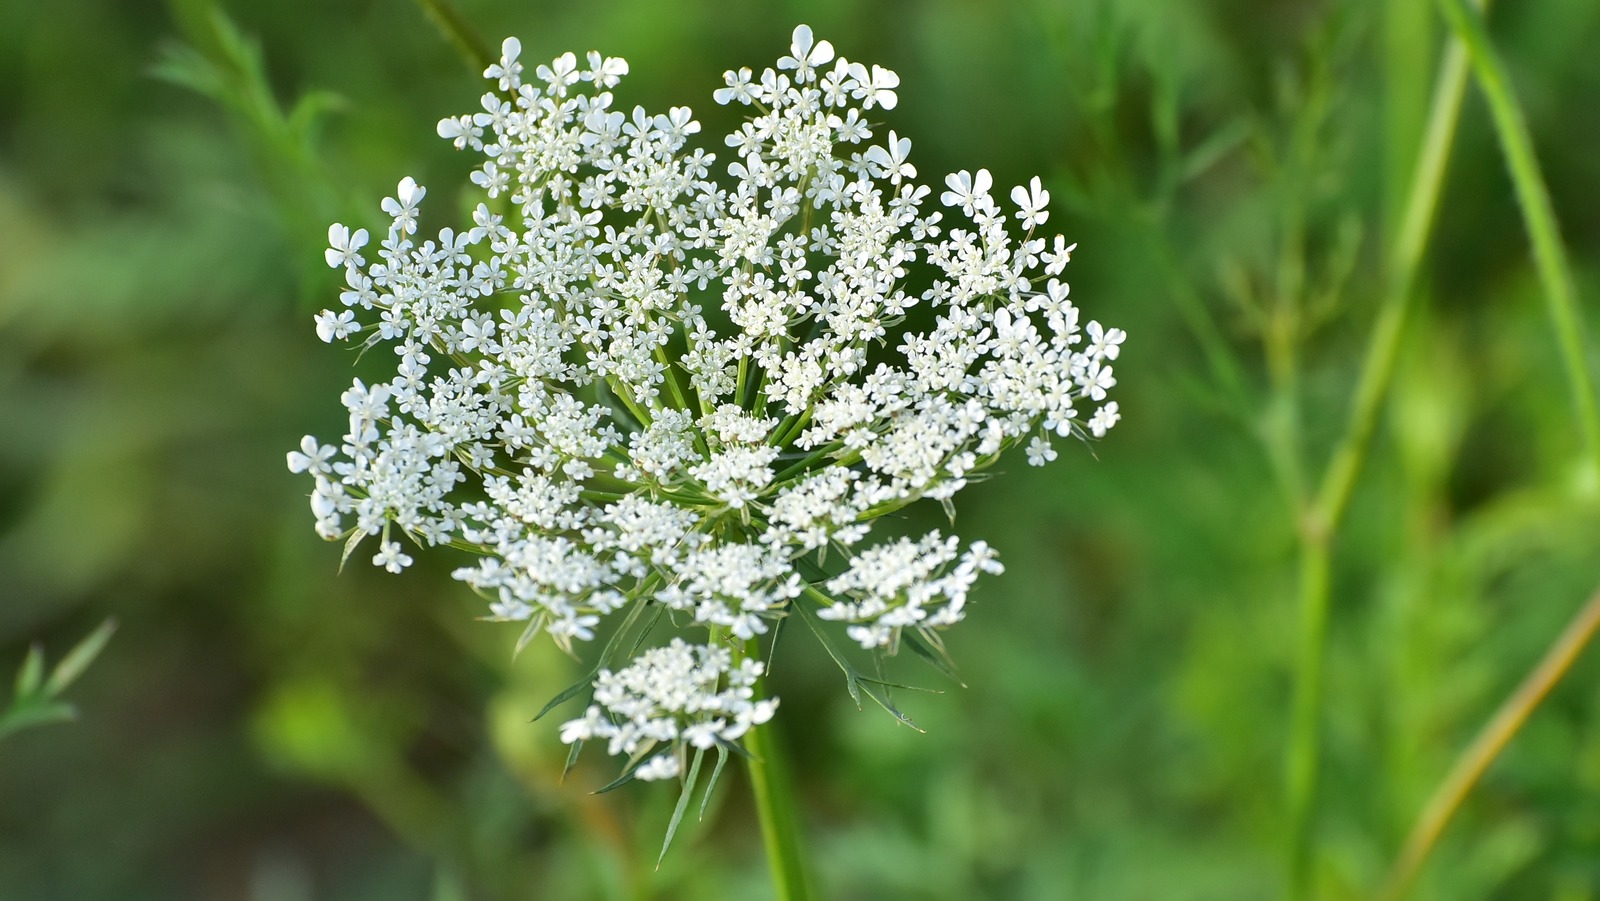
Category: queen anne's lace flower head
[633,386]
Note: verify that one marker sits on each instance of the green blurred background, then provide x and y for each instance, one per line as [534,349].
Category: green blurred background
[264,729]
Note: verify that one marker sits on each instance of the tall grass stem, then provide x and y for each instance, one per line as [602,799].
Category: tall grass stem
[1488,744]
[1549,253]
[1321,521]
[459,33]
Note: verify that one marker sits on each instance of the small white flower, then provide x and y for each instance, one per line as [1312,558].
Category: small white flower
[1039,451]
[876,87]
[312,457]
[461,131]
[1059,256]
[1104,342]
[1031,203]
[891,161]
[404,209]
[661,766]
[739,88]
[333,326]
[1103,419]
[1097,380]
[605,71]
[806,55]
[561,74]
[342,246]
[390,557]
[507,73]
[967,191]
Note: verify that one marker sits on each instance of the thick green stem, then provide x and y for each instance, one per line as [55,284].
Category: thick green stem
[1320,523]
[1305,733]
[1548,252]
[780,827]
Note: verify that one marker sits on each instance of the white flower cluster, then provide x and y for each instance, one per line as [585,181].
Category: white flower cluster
[633,383]
[692,694]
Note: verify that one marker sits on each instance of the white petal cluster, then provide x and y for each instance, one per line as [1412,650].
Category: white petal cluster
[672,696]
[646,376]
[905,584]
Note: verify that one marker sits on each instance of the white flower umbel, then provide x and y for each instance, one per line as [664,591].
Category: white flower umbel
[645,380]
[677,695]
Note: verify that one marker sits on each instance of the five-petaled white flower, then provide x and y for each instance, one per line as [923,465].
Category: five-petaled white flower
[891,160]
[403,207]
[806,54]
[1103,419]
[390,557]
[875,88]
[343,246]
[333,326]
[507,72]
[1031,202]
[968,191]
[1105,342]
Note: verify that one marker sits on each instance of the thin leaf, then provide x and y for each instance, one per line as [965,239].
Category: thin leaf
[79,658]
[886,703]
[735,748]
[565,696]
[311,107]
[187,68]
[572,758]
[18,718]
[626,777]
[1213,148]
[716,773]
[356,535]
[638,640]
[682,805]
[605,654]
[777,632]
[887,684]
[32,672]
[933,652]
[528,634]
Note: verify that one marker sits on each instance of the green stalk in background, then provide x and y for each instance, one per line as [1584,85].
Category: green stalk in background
[459,33]
[1494,737]
[1320,521]
[1549,254]
[1554,272]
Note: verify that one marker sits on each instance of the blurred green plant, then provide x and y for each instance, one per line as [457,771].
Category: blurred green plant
[220,62]
[37,700]
[1129,684]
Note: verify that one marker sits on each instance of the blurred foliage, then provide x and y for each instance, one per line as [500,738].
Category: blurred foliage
[37,700]
[266,731]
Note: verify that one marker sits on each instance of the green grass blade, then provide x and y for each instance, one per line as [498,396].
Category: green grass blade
[1549,253]
[78,659]
[31,675]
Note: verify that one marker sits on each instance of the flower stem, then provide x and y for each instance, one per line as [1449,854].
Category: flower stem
[780,828]
[1548,252]
[1496,734]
